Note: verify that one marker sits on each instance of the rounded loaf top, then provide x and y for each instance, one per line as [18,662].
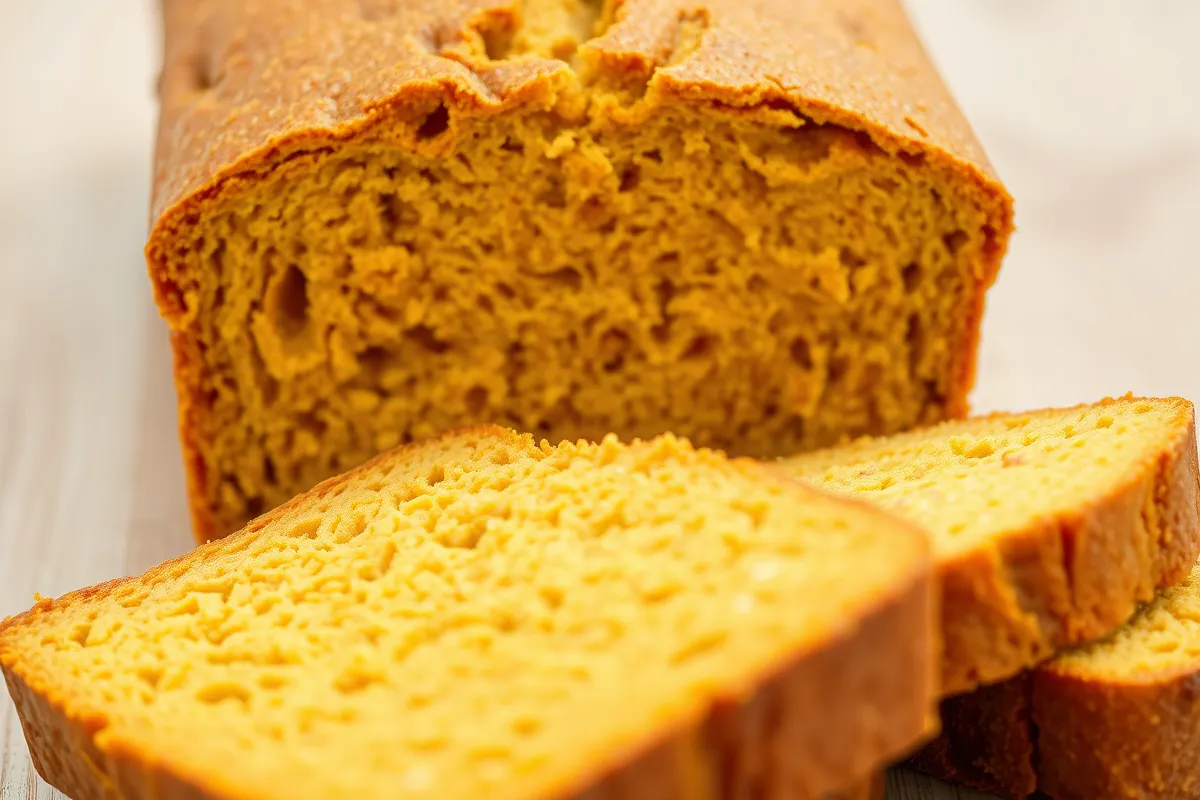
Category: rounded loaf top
[244,83]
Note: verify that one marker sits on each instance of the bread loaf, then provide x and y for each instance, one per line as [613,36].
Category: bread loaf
[1048,527]
[480,617]
[761,225]
[1120,718]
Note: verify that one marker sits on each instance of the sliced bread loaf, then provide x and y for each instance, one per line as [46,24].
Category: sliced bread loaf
[1048,527]
[479,616]
[762,225]
[1118,718]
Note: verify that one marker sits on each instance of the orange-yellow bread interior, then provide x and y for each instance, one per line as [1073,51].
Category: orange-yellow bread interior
[599,261]
[971,483]
[1161,642]
[480,617]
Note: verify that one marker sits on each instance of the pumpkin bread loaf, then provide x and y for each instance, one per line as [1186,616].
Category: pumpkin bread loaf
[478,616]
[761,225]
[1119,718]
[1048,527]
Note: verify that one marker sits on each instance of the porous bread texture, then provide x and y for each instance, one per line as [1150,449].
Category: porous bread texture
[378,221]
[1118,718]
[479,616]
[1048,527]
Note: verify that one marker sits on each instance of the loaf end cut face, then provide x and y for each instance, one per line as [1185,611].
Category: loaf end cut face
[480,616]
[760,225]
[1049,527]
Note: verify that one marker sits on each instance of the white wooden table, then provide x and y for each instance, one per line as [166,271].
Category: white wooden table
[1089,108]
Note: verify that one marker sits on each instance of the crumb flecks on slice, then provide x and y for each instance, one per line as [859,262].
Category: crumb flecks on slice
[1049,527]
[481,616]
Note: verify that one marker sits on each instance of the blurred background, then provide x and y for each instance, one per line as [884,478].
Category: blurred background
[1090,110]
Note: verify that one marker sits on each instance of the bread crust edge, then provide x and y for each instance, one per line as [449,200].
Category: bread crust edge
[1073,578]
[876,680]
[772,739]
[1078,737]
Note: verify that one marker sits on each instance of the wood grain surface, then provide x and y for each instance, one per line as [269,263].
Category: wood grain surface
[1089,109]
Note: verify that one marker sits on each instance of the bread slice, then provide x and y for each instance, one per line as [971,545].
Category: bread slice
[479,616]
[761,225]
[1118,718]
[1048,527]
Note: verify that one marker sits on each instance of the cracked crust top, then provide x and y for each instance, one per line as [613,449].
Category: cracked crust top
[245,82]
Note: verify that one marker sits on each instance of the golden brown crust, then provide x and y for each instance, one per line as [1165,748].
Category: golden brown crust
[823,721]
[1074,578]
[253,88]
[242,83]
[986,741]
[870,713]
[190,420]
[1073,738]
[1102,739]
[1049,729]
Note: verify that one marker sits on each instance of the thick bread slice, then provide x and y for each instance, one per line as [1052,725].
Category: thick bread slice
[761,225]
[478,616]
[1119,718]
[1048,527]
